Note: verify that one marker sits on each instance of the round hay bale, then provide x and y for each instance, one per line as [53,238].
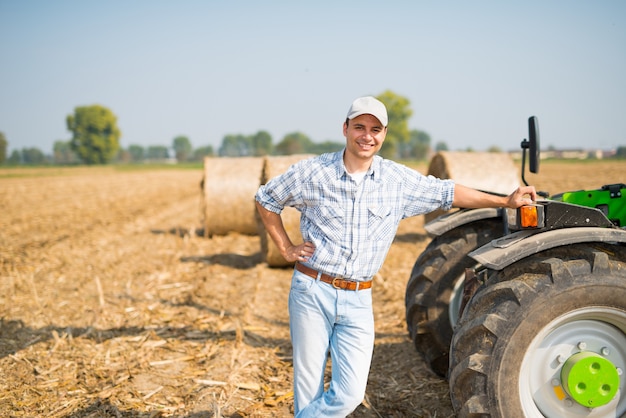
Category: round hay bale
[228,186]
[486,171]
[272,167]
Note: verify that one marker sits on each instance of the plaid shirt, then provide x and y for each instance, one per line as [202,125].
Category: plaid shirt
[352,225]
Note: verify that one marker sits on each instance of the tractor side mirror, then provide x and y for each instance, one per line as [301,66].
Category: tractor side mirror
[532,145]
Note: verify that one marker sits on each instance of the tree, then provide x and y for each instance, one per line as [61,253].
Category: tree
[182,148]
[200,153]
[418,146]
[294,143]
[239,145]
[261,143]
[621,152]
[95,136]
[235,146]
[441,146]
[326,146]
[15,158]
[122,156]
[62,153]
[137,153]
[4,144]
[399,112]
[157,152]
[33,156]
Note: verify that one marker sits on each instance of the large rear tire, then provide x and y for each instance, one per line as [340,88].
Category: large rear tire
[534,322]
[433,293]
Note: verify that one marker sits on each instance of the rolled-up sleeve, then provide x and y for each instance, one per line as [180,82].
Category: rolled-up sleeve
[279,191]
[266,200]
[424,194]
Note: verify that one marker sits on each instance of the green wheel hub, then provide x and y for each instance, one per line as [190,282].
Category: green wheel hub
[589,379]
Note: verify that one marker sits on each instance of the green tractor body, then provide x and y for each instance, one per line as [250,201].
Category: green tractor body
[609,199]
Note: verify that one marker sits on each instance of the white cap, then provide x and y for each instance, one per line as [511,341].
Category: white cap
[368,106]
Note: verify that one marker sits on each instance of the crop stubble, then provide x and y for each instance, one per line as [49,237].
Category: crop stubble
[113,304]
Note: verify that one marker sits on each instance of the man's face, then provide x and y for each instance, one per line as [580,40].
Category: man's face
[364,136]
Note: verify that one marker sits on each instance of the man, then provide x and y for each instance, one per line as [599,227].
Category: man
[351,203]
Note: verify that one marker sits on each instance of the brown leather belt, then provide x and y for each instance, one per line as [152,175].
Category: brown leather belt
[336,282]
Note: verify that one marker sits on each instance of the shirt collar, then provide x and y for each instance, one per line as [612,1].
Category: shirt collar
[340,168]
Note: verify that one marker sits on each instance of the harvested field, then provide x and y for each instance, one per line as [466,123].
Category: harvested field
[114,304]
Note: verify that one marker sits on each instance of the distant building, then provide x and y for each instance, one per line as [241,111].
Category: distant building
[569,154]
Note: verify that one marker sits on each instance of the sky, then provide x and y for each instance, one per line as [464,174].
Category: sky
[473,71]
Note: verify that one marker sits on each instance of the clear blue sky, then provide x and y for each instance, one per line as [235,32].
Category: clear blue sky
[474,71]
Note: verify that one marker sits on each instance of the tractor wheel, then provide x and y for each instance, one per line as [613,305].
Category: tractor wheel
[545,337]
[434,291]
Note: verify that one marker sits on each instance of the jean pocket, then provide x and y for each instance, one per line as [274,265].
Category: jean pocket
[300,282]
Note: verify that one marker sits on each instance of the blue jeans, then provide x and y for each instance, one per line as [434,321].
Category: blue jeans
[323,319]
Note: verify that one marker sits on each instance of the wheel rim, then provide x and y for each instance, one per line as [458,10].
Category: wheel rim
[456,298]
[557,359]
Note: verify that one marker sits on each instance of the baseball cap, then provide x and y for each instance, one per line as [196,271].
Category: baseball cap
[368,105]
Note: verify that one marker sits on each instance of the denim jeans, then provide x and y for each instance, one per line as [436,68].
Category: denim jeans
[326,320]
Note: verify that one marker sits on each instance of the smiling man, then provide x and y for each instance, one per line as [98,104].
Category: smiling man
[351,203]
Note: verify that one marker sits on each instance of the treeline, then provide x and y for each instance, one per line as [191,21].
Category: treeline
[182,150]
[95,140]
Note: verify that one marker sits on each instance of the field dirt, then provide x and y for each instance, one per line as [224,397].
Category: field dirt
[114,304]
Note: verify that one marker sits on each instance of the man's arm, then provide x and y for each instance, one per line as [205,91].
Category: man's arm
[465,197]
[275,228]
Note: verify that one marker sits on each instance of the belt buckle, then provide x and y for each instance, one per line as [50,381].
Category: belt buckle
[335,284]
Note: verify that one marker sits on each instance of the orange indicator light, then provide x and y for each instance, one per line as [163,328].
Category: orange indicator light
[528,216]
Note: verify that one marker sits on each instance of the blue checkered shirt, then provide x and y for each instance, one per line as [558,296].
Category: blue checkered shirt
[352,225]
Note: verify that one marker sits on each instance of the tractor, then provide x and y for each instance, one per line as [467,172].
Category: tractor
[524,311]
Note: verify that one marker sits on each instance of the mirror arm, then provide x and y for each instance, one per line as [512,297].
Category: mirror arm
[525,146]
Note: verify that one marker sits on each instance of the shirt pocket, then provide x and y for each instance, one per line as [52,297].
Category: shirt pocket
[380,223]
[330,222]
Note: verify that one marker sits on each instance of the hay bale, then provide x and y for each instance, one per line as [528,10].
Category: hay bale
[272,167]
[228,186]
[486,171]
